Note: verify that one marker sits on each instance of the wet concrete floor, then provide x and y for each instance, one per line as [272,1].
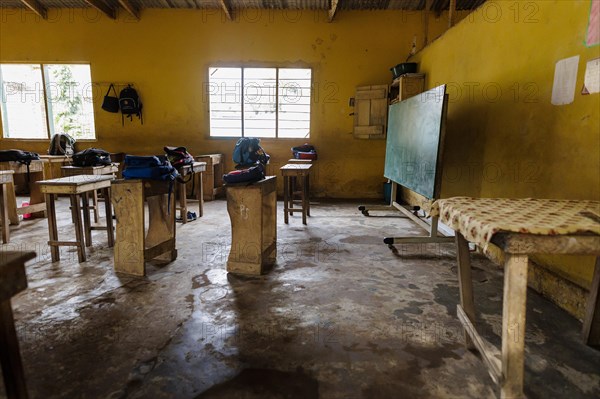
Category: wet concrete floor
[339,316]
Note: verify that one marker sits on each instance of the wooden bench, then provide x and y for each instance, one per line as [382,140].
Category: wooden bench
[196,171]
[36,205]
[6,184]
[12,281]
[134,246]
[77,188]
[252,209]
[519,228]
[212,180]
[111,170]
[290,173]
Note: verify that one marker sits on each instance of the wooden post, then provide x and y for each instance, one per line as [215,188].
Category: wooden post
[591,322]
[451,13]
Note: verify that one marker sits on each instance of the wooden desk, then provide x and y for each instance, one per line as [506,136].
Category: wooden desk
[134,246]
[212,179]
[252,210]
[195,170]
[290,173]
[36,200]
[6,184]
[520,228]
[77,188]
[53,165]
[12,281]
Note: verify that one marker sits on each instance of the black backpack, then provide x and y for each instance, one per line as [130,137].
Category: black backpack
[130,104]
[92,157]
[62,144]
[24,157]
[247,151]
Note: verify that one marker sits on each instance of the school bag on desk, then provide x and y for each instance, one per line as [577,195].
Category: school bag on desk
[92,157]
[252,174]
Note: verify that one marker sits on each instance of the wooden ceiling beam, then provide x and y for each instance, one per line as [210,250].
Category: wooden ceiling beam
[130,8]
[226,9]
[103,8]
[36,7]
[333,9]
[451,13]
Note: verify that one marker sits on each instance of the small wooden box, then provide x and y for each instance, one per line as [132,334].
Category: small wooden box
[407,86]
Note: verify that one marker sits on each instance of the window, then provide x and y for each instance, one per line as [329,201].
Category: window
[274,102]
[39,100]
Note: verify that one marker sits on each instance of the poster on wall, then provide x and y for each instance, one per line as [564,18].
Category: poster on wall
[565,78]
[591,81]
[593,32]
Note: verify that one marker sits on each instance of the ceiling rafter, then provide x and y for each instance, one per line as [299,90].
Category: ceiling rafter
[227,9]
[36,7]
[130,8]
[103,8]
[333,9]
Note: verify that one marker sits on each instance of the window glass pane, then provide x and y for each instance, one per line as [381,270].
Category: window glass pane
[259,102]
[225,101]
[70,102]
[294,102]
[22,101]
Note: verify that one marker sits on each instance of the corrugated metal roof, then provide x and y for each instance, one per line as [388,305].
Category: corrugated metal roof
[437,5]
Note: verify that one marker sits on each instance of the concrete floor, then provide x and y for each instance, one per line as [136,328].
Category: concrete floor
[340,316]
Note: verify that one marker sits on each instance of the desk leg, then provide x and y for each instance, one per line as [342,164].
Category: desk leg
[286,194]
[513,325]
[304,200]
[52,227]
[12,205]
[86,219]
[182,190]
[465,282]
[95,202]
[10,357]
[161,225]
[591,321]
[4,219]
[199,193]
[109,220]
[75,205]
[307,182]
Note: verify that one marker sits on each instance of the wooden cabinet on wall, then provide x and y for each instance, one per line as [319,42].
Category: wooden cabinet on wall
[406,86]
[371,104]
[370,112]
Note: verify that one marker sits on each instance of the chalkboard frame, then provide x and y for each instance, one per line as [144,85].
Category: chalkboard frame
[415,142]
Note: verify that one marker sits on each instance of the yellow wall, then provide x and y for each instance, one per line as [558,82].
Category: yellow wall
[167,53]
[505,138]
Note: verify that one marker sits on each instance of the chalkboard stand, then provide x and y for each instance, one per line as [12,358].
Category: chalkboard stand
[416,127]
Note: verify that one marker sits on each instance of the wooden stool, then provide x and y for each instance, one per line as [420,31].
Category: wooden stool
[77,187]
[111,170]
[252,209]
[134,246]
[301,171]
[212,180]
[195,170]
[294,184]
[6,184]
[12,281]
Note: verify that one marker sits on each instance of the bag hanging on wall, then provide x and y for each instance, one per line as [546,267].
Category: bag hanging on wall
[130,104]
[111,103]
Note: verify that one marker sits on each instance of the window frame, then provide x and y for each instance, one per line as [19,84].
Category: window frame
[252,66]
[47,106]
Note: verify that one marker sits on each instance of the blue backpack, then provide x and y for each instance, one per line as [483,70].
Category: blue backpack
[150,167]
[247,151]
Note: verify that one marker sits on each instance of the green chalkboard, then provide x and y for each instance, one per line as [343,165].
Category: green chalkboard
[415,137]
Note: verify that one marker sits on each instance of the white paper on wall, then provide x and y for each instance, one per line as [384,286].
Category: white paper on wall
[565,79]
[591,82]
